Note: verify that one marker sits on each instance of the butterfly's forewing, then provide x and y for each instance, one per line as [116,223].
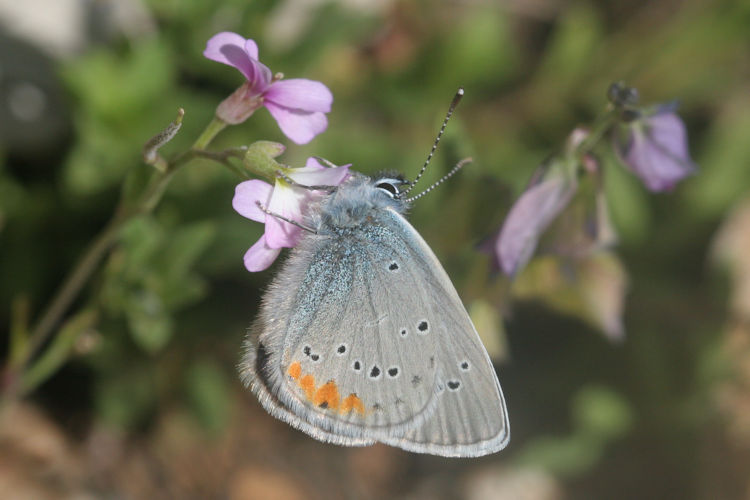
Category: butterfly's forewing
[470,417]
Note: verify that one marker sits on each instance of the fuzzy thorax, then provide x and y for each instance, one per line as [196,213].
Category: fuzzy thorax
[352,202]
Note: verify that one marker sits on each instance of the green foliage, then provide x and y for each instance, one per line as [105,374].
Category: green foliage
[150,276]
[599,416]
[206,387]
[115,91]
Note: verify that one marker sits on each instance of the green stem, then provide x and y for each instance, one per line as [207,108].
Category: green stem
[209,133]
[598,130]
[56,353]
[71,287]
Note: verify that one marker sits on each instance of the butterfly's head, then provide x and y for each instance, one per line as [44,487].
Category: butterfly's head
[391,183]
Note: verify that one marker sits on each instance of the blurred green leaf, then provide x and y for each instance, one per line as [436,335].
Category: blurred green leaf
[116,92]
[489,325]
[151,276]
[723,176]
[577,35]
[601,413]
[114,87]
[59,349]
[479,49]
[149,321]
[124,399]
[628,202]
[599,416]
[565,456]
[208,394]
[12,197]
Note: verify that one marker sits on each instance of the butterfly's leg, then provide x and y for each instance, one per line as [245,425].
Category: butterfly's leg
[285,219]
[330,189]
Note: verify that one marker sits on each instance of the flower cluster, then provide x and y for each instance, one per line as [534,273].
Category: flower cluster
[650,142]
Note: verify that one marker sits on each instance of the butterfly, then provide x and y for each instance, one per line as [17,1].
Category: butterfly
[362,337]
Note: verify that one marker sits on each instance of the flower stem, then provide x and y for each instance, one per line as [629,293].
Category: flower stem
[70,288]
[209,133]
[598,130]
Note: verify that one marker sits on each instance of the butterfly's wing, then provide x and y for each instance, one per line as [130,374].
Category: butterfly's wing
[470,417]
[252,372]
[335,350]
[363,337]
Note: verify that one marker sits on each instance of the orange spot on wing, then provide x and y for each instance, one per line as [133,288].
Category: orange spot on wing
[295,370]
[307,383]
[352,403]
[327,396]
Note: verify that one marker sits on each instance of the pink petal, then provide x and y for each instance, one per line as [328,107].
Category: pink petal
[246,196]
[286,201]
[260,256]
[301,94]
[299,126]
[233,50]
[655,148]
[261,77]
[229,48]
[251,48]
[314,174]
[528,218]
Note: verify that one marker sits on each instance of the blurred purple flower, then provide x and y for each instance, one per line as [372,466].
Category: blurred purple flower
[297,105]
[534,210]
[655,148]
[283,199]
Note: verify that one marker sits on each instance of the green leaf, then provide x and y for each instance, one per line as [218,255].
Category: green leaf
[127,398]
[150,323]
[562,456]
[58,351]
[208,395]
[723,176]
[178,285]
[601,413]
[113,86]
[577,35]
[480,49]
[628,202]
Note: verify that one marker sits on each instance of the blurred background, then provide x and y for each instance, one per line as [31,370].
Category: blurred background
[145,402]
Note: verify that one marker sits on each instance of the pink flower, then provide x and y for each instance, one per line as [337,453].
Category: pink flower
[297,105]
[655,148]
[550,190]
[283,199]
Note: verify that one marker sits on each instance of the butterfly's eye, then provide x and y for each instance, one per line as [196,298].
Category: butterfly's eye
[388,187]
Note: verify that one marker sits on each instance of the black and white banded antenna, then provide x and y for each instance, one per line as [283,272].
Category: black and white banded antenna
[454,103]
[444,178]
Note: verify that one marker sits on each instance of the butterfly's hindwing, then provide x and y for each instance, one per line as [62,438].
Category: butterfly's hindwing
[383,382]
[252,371]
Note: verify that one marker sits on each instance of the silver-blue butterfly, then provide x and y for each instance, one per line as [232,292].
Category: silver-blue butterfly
[362,338]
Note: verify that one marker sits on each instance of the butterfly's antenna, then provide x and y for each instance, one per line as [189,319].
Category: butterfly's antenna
[444,178]
[454,103]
